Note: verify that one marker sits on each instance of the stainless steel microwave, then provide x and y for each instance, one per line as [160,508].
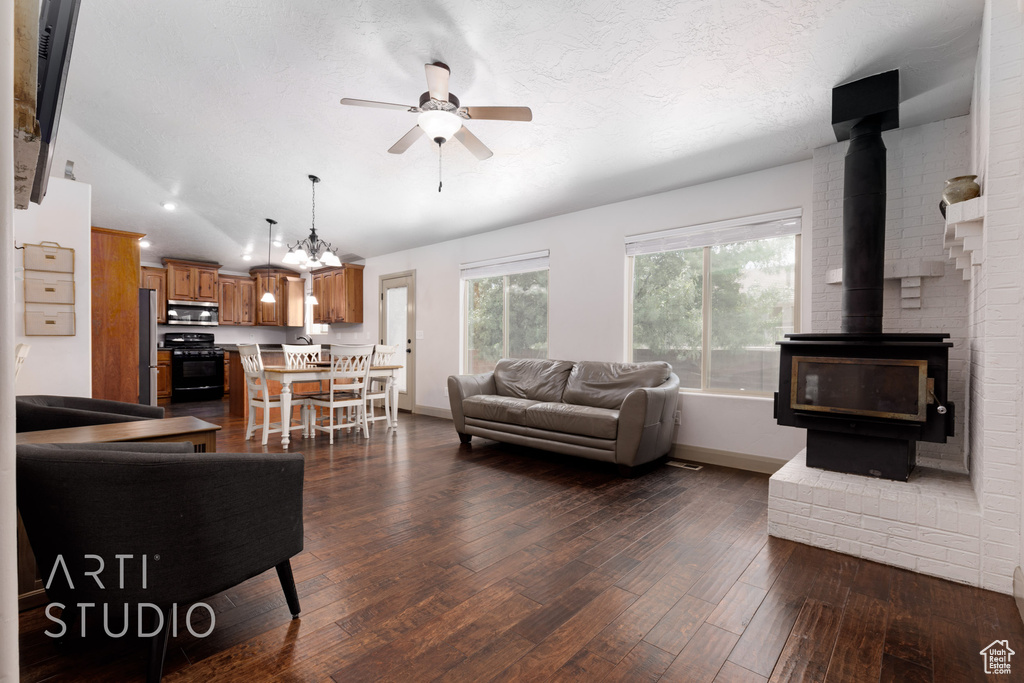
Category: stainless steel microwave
[191,313]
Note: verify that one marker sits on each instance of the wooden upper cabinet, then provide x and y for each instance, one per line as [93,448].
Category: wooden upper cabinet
[156,278]
[180,282]
[227,310]
[192,280]
[339,293]
[246,301]
[237,300]
[206,284]
[274,280]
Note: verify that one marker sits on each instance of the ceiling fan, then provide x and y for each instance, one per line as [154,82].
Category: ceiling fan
[441,117]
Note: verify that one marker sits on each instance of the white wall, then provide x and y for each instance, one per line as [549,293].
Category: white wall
[587,294]
[63,217]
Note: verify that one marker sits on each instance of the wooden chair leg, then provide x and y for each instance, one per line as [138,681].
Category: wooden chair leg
[284,572]
[158,649]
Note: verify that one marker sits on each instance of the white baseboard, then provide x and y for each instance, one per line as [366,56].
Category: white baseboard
[443,413]
[739,461]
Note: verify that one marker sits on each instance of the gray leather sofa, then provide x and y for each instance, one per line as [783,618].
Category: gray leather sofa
[614,412]
[34,413]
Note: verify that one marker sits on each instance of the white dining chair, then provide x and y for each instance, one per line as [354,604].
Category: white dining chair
[303,356]
[380,387]
[348,381]
[20,352]
[259,395]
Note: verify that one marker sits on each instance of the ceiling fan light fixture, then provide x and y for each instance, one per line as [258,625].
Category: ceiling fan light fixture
[439,125]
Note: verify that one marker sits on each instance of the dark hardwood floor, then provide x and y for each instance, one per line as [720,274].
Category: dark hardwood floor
[426,560]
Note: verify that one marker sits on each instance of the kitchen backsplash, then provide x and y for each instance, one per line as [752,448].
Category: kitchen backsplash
[233,334]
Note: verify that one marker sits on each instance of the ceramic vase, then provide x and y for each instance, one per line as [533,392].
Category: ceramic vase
[960,189]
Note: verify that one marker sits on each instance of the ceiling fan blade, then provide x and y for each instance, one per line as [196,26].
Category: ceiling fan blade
[437,80]
[499,113]
[379,105]
[473,144]
[407,139]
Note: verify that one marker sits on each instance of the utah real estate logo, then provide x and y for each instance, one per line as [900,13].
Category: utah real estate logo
[997,657]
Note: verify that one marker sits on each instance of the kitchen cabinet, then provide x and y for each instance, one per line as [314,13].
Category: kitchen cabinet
[163,374]
[246,301]
[192,280]
[339,294]
[287,286]
[156,278]
[114,259]
[237,300]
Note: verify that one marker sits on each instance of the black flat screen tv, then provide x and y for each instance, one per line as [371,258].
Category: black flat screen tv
[57,21]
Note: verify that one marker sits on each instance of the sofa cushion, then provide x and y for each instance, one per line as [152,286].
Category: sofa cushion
[606,385]
[497,408]
[538,379]
[600,423]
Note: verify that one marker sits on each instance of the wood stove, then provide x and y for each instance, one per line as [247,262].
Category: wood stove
[864,397]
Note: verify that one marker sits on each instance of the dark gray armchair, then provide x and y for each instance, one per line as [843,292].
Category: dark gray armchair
[34,413]
[203,521]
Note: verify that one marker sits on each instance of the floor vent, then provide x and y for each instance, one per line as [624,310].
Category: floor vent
[685,465]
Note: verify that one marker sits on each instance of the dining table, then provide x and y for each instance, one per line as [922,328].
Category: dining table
[320,371]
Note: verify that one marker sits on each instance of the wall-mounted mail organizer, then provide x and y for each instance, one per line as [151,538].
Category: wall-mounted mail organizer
[49,290]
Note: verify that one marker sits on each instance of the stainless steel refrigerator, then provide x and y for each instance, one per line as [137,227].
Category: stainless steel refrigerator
[147,346]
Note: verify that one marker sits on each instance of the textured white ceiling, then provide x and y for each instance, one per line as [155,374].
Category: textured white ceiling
[226,107]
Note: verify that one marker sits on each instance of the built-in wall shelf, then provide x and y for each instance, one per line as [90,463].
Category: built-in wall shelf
[965,229]
[908,271]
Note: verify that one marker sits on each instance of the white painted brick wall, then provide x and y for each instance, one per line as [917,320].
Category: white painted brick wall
[918,161]
[996,296]
[931,524]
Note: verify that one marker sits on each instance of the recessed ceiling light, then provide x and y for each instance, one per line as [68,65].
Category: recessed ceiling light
[247,257]
[144,244]
[277,243]
[170,206]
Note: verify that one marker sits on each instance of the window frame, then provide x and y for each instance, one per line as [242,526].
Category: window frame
[711,230]
[506,267]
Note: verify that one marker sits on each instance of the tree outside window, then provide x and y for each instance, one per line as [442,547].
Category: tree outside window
[506,317]
[715,312]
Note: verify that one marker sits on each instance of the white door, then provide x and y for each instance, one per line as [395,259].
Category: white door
[397,328]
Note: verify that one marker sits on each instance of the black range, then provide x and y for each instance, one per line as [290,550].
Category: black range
[197,366]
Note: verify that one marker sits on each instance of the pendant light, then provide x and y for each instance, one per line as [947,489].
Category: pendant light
[312,252]
[268,296]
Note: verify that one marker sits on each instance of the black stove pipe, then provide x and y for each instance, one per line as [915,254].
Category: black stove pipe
[864,228]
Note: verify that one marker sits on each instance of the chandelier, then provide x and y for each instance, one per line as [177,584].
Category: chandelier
[312,252]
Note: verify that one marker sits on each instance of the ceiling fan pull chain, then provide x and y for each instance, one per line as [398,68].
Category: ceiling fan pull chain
[439,166]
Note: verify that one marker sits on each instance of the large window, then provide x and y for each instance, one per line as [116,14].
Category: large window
[712,300]
[506,310]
